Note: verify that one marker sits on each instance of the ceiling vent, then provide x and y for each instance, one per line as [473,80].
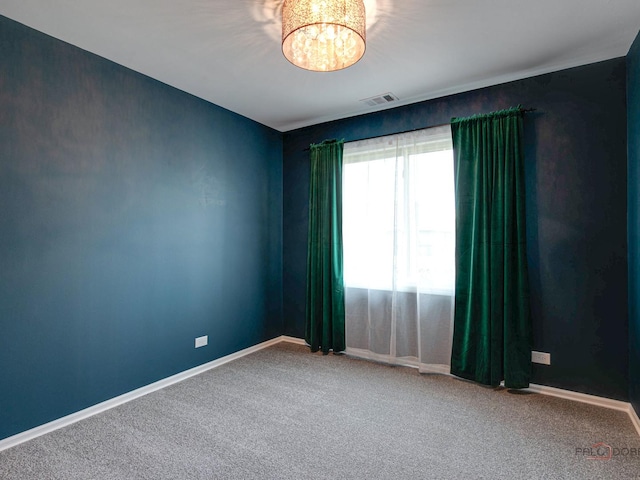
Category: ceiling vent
[380,99]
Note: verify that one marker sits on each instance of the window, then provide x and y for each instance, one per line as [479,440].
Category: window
[399,248]
[399,212]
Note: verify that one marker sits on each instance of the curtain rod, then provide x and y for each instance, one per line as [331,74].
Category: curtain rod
[523,110]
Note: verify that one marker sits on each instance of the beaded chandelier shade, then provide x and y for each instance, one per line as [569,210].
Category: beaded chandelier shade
[323,35]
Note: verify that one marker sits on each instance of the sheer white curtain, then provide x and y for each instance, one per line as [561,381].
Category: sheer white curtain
[399,245]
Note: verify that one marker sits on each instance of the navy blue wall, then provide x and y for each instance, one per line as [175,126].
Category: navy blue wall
[633,112]
[576,212]
[134,218]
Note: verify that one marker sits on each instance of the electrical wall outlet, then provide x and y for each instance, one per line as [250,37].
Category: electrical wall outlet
[541,357]
[202,341]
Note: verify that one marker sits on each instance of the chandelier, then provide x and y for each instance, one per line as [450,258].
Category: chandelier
[323,35]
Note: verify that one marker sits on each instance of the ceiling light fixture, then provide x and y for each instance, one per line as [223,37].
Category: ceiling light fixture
[323,35]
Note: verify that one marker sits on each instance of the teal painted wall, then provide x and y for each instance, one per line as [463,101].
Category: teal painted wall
[633,125]
[576,178]
[134,218]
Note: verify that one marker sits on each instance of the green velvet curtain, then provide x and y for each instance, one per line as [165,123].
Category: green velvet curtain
[325,328]
[492,322]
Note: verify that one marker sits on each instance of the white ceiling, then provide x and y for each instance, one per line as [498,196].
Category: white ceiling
[228,51]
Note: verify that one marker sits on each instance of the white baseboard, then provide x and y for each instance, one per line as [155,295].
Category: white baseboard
[297,341]
[634,418]
[579,397]
[590,399]
[132,395]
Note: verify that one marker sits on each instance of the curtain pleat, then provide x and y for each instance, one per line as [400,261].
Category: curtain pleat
[492,323]
[325,327]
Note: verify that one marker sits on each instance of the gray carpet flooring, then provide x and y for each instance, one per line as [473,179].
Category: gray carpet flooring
[283,413]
